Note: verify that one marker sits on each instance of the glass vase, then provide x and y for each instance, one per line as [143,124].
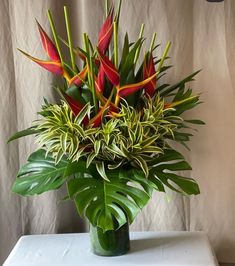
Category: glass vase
[110,243]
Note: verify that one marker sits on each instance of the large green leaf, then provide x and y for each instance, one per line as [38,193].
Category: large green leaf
[162,173]
[41,174]
[105,203]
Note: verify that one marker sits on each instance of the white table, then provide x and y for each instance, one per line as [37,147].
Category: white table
[147,248]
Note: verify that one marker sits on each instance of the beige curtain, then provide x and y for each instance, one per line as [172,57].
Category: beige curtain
[203,37]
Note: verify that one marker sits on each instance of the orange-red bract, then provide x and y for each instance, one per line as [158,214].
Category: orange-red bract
[129,89]
[109,69]
[103,100]
[48,45]
[54,67]
[149,70]
[100,80]
[97,87]
[97,120]
[106,33]
[79,78]
[75,106]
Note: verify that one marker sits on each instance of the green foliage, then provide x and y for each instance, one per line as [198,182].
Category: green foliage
[162,173]
[41,174]
[134,138]
[121,197]
[110,163]
[100,200]
[23,133]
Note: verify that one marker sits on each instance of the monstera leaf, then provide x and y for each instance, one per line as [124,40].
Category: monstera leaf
[106,203]
[162,173]
[41,174]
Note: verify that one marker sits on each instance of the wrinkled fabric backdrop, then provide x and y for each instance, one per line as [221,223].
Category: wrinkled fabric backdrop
[203,37]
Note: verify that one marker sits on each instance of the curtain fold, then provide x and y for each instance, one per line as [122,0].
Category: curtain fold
[203,37]
[10,210]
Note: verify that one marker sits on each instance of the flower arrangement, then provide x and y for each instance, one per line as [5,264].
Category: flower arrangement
[109,138]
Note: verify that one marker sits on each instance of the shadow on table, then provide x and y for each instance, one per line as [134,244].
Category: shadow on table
[138,245]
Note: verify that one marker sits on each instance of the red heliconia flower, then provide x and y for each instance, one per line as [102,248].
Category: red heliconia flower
[103,100]
[106,33]
[100,81]
[54,65]
[75,106]
[79,78]
[97,119]
[48,45]
[149,70]
[97,88]
[129,89]
[109,69]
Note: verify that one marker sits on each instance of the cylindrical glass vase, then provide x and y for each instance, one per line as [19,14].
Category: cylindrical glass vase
[110,243]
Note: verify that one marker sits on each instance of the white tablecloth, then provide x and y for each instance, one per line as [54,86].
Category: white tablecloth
[147,248]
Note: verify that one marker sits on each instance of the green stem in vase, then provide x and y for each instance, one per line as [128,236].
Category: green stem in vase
[55,36]
[138,49]
[69,38]
[115,42]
